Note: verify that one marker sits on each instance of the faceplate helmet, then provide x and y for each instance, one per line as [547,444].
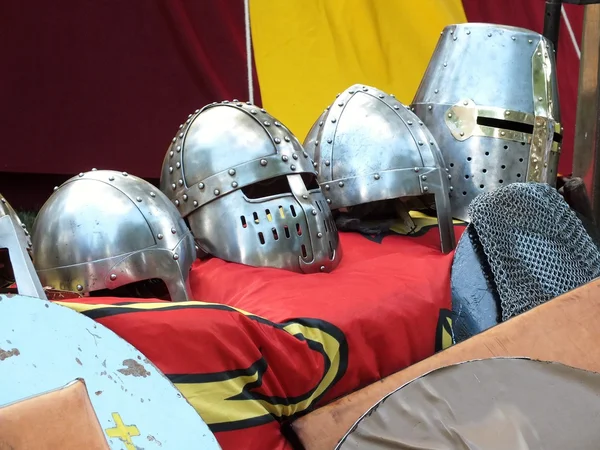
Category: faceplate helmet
[248,190]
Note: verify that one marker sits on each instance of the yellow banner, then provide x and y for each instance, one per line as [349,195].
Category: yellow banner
[306,51]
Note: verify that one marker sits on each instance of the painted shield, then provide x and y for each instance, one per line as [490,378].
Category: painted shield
[52,356]
[492,404]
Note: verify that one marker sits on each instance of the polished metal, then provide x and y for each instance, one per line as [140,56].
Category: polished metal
[490,99]
[369,147]
[248,190]
[15,254]
[45,347]
[105,229]
[586,163]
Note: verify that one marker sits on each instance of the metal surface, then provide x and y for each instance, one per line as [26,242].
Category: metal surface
[44,346]
[491,404]
[475,304]
[369,147]
[106,229]
[490,99]
[15,254]
[586,163]
[248,190]
[552,19]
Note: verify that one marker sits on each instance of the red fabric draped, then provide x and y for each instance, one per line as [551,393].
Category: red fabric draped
[530,14]
[106,83]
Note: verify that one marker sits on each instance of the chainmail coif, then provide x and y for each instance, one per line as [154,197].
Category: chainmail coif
[536,246]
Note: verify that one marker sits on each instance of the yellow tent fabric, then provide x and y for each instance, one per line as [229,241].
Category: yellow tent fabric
[306,51]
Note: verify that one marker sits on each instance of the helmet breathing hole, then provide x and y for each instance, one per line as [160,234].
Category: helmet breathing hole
[293,210]
[520,159]
[466,177]
[244,224]
[152,288]
[303,247]
[275,235]
[464,192]
[506,147]
[503,166]
[286,230]
[298,229]
[255,218]
[281,212]
[451,164]
[318,205]
[269,216]
[518,175]
[481,186]
[500,181]
[261,238]
[487,153]
[331,252]
[325,223]
[484,170]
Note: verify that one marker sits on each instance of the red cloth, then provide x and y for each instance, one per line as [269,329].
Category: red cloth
[530,14]
[305,339]
[106,83]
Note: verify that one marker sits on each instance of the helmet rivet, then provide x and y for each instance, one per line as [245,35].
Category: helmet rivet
[174,139]
[420,123]
[277,140]
[430,107]
[333,120]
[175,256]
[125,174]
[284,158]
[327,187]
[416,169]
[234,184]
[263,110]
[200,185]
[295,156]
[319,235]
[409,122]
[316,143]
[465,102]
[263,162]
[171,153]
[320,123]
[451,188]
[305,154]
[305,197]
[139,199]
[530,41]
[341,184]
[277,124]
[489,34]
[502,133]
[449,176]
[507,113]
[329,201]
[293,167]
[79,287]
[170,170]
[341,104]
[462,133]
[329,141]
[424,177]
[180,126]
[445,64]
[55,189]
[327,162]
[377,176]
[159,236]
[176,202]
[197,111]
[178,148]
[253,111]
[178,164]
[94,169]
[216,192]
[314,163]
[152,194]
[180,135]
[322,268]
[173,230]
[113,277]
[267,123]
[436,91]
[425,188]
[80,174]
[231,172]
[173,186]
[380,96]
[468,31]
[286,138]
[180,182]
[420,142]
[111,178]
[314,212]
[195,204]
[185,197]
[396,107]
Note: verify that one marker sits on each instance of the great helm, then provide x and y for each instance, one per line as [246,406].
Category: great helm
[490,99]
[105,230]
[248,190]
[369,147]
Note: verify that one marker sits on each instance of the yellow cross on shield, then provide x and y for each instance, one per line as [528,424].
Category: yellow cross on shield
[122,431]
